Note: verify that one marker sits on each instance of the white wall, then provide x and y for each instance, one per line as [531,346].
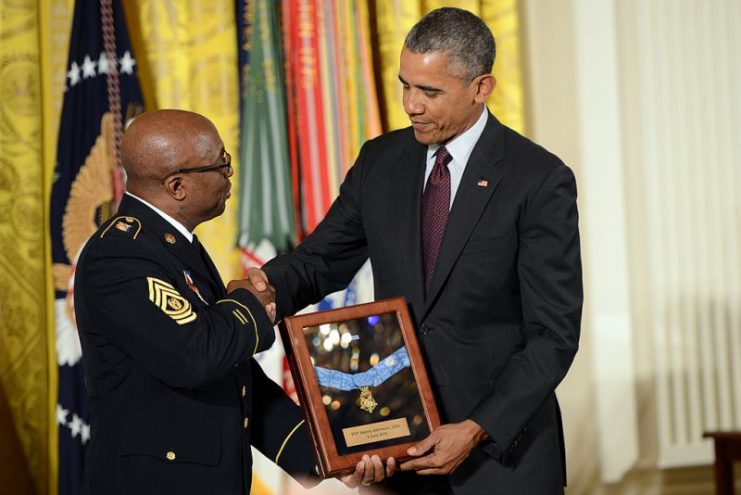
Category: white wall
[641,98]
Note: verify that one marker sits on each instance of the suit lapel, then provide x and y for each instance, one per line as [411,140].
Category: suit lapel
[409,179]
[480,179]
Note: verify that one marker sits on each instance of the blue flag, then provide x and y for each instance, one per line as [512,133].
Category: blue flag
[82,197]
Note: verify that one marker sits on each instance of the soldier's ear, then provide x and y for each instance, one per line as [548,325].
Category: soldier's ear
[175,187]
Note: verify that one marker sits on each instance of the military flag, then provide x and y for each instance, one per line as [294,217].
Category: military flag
[266,210]
[266,206]
[333,95]
[334,108]
[101,91]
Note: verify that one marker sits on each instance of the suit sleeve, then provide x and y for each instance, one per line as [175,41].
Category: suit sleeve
[328,259]
[279,430]
[549,270]
[136,307]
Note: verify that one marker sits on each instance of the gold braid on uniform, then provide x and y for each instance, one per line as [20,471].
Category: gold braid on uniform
[243,321]
[285,441]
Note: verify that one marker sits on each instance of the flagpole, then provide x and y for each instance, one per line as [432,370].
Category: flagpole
[49,140]
[114,96]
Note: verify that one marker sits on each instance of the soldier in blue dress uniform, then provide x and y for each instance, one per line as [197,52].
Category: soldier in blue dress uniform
[176,396]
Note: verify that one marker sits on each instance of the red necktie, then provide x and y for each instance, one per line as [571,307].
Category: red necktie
[435,207]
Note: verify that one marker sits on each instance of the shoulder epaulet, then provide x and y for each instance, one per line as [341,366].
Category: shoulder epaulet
[124,224]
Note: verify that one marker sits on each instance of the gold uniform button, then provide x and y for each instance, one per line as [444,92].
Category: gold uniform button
[244,390]
[170,456]
[246,423]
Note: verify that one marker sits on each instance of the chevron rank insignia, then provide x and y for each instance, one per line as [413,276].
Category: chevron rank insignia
[169,300]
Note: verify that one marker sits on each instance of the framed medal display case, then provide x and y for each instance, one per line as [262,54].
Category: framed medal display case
[362,383]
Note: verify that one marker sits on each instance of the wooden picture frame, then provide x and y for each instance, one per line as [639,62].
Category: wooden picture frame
[361,381]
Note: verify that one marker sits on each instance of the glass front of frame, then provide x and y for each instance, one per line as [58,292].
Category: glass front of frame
[366,383]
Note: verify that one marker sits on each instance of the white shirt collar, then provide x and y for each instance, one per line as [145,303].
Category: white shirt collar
[461,147]
[179,226]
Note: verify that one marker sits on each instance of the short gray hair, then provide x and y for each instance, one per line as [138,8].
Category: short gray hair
[459,33]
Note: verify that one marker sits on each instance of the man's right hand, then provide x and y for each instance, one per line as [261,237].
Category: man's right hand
[258,278]
[263,291]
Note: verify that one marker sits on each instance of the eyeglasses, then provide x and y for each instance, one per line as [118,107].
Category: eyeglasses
[207,168]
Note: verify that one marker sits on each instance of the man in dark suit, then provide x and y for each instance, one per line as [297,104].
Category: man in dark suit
[176,398]
[477,227]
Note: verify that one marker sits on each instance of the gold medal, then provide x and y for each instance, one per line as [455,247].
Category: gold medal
[367,402]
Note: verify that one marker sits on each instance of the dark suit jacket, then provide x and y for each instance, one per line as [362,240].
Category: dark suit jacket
[175,396]
[500,325]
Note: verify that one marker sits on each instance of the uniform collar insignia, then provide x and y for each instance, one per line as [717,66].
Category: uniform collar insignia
[126,224]
[122,226]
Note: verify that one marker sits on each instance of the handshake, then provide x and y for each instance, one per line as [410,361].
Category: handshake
[257,282]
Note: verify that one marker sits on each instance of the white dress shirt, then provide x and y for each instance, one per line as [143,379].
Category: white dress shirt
[179,226]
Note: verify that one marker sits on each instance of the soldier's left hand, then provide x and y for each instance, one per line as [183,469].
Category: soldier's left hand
[369,470]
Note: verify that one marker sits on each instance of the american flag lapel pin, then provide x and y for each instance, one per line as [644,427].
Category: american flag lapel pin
[482,183]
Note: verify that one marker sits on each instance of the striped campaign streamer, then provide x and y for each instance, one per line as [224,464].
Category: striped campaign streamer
[331,96]
[327,32]
[304,63]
